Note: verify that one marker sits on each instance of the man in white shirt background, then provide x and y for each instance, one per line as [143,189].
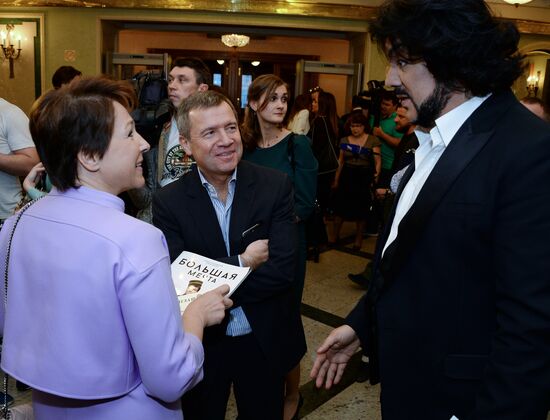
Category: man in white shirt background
[17,156]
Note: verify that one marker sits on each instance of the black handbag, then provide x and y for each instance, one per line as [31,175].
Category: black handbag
[316,233]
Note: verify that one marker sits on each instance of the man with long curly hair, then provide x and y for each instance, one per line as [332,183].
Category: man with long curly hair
[456,321]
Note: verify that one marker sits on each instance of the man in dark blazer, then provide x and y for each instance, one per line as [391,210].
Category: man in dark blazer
[457,319]
[241,214]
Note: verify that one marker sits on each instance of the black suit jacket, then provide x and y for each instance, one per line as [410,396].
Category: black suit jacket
[457,321]
[184,212]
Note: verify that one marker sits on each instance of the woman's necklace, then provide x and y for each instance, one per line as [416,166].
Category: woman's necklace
[358,141]
[268,142]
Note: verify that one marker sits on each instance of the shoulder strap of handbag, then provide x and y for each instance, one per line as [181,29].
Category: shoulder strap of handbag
[5,410]
[329,139]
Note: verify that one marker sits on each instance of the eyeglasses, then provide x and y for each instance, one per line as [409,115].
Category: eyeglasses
[315,89]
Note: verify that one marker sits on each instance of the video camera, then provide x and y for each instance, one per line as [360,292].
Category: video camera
[154,108]
[371,98]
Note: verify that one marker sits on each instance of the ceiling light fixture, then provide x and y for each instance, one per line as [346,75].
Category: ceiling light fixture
[255,63]
[518,2]
[235,40]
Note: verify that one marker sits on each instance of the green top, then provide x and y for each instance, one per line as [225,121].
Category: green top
[304,176]
[386,151]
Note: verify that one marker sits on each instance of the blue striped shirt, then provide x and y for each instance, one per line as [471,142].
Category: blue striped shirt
[238,324]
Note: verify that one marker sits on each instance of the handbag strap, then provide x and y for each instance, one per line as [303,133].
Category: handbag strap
[5,410]
[291,154]
[329,138]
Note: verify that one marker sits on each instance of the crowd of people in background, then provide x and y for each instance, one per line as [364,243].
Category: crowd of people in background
[291,168]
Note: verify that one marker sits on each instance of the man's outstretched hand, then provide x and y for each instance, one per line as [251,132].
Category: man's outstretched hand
[333,356]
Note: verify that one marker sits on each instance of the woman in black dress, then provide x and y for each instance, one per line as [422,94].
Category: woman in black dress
[359,166]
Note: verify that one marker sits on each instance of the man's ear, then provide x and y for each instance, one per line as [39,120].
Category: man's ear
[89,162]
[203,87]
[185,145]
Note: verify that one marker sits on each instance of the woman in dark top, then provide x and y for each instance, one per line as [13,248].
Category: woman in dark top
[324,127]
[359,167]
[323,134]
[268,143]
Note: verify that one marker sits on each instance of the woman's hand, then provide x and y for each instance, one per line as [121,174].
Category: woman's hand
[207,310]
[33,177]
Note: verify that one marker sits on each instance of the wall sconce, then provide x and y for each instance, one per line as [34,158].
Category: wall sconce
[533,84]
[8,49]
[235,40]
[255,63]
[220,62]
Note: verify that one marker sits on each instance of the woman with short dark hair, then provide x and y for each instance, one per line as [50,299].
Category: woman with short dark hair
[92,321]
[359,166]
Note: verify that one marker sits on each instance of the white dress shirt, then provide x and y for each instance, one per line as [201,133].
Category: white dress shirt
[431,147]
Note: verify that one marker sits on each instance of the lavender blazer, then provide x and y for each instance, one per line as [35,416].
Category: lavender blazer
[92,322]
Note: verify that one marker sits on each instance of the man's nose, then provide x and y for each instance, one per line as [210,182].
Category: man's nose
[392,78]
[225,139]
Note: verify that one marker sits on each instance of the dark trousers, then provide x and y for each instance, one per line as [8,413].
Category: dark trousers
[259,391]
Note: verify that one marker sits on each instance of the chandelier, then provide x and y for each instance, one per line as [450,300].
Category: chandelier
[235,40]
[517,2]
[8,37]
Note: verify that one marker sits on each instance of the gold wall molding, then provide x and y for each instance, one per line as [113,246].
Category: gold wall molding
[534,28]
[278,7]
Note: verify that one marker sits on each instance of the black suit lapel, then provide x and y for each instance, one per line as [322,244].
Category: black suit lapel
[378,281]
[242,203]
[202,211]
[387,227]
[466,144]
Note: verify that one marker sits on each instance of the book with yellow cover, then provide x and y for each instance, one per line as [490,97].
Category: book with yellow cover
[194,275]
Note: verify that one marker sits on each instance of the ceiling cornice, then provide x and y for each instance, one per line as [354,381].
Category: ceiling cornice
[277,7]
[267,7]
[530,27]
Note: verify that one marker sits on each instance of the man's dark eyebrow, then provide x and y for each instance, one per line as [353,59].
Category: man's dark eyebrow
[400,53]
[206,129]
[214,127]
